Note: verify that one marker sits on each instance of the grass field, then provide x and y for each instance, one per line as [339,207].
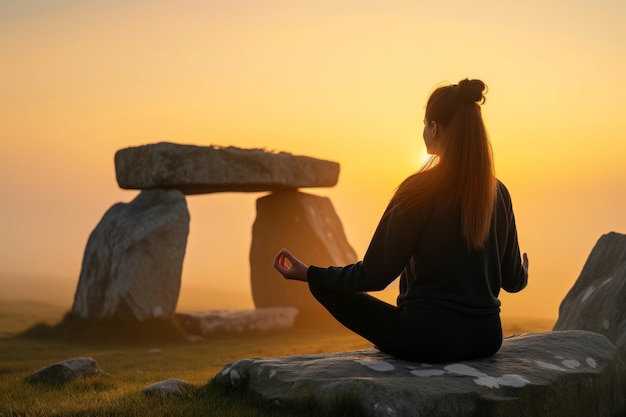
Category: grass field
[134,366]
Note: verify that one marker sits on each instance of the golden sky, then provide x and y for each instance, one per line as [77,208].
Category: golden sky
[345,81]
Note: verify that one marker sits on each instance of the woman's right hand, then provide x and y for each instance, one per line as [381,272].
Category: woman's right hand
[290,267]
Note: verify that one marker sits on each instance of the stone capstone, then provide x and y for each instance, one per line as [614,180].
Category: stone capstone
[309,227]
[236,321]
[569,373]
[208,169]
[596,301]
[67,371]
[133,260]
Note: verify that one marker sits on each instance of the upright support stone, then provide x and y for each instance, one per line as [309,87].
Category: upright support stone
[307,225]
[133,259]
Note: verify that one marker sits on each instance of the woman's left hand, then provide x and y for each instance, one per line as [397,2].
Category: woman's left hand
[525,262]
[289,266]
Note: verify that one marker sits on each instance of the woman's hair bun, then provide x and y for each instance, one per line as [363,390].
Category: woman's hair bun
[471,91]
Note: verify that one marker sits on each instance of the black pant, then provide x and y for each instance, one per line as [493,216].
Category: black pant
[413,333]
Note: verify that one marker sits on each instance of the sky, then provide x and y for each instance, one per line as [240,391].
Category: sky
[345,81]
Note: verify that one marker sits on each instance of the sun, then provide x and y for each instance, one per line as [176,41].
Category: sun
[425,157]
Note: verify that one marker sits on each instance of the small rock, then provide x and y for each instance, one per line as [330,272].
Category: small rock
[236,321]
[169,388]
[67,371]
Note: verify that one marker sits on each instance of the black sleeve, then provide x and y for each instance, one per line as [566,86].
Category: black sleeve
[388,254]
[514,277]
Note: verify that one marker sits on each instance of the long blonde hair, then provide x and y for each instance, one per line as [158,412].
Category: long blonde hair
[464,163]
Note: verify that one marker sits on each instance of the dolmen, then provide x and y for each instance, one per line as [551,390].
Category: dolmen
[576,370]
[133,259]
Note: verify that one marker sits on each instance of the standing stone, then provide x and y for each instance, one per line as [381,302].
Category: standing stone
[596,301]
[133,259]
[209,169]
[308,226]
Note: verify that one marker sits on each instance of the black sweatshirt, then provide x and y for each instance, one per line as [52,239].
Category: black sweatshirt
[438,272]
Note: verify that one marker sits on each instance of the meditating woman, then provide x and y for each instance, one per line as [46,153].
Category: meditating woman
[449,233]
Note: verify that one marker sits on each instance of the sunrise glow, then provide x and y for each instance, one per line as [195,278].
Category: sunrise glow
[345,81]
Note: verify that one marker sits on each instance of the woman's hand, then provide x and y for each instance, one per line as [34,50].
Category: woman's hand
[525,262]
[289,266]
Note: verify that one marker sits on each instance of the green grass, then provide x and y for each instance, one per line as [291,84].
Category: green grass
[132,367]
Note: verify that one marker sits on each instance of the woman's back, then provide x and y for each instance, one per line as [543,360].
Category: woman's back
[445,275]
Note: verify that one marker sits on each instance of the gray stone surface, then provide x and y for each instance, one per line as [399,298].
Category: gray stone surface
[67,371]
[204,323]
[596,302]
[172,387]
[133,260]
[208,169]
[569,373]
[309,227]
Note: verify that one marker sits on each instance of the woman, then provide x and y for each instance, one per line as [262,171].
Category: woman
[449,232]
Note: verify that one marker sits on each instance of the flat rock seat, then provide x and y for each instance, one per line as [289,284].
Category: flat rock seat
[210,169]
[566,373]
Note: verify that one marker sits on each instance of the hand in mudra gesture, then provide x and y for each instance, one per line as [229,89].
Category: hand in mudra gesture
[289,266]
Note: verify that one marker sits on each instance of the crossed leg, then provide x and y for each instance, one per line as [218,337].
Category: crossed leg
[413,334]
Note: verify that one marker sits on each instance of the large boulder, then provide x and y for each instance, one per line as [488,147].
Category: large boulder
[572,373]
[596,301]
[307,225]
[67,371]
[208,169]
[133,259]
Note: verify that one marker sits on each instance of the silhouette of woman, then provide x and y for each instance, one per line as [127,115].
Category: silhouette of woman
[449,233]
